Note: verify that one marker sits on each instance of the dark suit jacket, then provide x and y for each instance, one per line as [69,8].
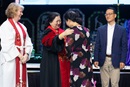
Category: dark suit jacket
[119,45]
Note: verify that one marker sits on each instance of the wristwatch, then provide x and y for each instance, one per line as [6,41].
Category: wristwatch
[27,54]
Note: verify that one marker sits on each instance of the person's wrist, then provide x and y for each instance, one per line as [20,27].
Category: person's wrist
[19,55]
[61,36]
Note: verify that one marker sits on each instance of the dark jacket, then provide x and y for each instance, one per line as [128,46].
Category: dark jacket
[119,45]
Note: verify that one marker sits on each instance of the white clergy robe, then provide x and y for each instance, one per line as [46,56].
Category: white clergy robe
[9,52]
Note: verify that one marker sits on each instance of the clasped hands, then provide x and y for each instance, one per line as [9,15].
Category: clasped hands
[23,58]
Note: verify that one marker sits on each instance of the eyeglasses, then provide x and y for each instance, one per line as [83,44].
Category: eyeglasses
[109,14]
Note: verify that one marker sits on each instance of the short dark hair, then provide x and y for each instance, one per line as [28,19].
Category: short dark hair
[49,17]
[74,15]
[112,8]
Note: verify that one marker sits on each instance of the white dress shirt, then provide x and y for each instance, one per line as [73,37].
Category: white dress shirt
[110,31]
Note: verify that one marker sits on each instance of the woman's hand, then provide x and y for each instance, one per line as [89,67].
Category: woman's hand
[24,58]
[67,32]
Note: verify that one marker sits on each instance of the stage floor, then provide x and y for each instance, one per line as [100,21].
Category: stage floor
[34,76]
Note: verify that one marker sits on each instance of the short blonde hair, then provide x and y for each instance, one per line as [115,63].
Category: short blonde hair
[12,8]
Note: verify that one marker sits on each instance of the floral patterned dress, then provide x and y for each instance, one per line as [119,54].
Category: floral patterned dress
[78,51]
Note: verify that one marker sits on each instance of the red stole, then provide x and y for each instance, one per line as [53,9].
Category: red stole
[19,80]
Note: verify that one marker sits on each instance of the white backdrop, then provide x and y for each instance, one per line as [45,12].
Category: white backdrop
[66,2]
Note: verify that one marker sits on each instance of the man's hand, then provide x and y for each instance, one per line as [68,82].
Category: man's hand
[122,65]
[96,63]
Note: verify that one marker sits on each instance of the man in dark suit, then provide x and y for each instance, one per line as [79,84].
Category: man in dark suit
[110,49]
